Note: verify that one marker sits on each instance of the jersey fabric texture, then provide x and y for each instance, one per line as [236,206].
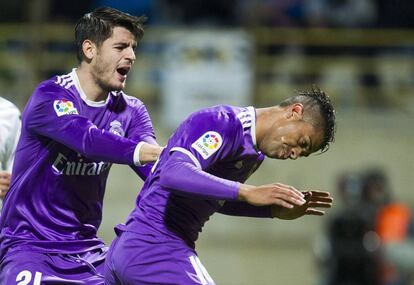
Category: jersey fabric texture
[212,151]
[146,262]
[62,162]
[33,268]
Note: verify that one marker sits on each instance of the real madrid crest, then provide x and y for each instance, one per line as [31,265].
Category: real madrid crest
[116,128]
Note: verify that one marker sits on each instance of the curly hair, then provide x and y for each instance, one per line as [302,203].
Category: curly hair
[317,104]
[98,26]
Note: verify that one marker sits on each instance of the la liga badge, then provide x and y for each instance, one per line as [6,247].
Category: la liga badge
[64,107]
[207,144]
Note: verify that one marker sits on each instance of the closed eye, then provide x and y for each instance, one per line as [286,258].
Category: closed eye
[305,145]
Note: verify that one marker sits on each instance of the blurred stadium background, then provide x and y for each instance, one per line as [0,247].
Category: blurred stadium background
[201,53]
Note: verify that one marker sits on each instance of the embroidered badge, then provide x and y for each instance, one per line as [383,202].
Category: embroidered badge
[208,144]
[64,107]
[116,128]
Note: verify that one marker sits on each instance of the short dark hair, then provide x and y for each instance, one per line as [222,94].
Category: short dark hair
[316,103]
[98,26]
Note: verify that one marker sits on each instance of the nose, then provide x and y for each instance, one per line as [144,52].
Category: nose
[130,55]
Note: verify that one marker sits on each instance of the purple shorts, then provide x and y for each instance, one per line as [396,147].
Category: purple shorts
[33,268]
[134,260]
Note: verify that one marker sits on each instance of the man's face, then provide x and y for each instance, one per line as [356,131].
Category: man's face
[291,139]
[114,60]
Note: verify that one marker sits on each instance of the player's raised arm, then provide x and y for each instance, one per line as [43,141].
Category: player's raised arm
[183,176]
[69,127]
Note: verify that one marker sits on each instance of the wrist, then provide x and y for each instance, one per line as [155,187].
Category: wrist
[244,190]
[146,153]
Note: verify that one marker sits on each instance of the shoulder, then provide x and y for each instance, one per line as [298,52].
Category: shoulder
[225,115]
[57,86]
[221,120]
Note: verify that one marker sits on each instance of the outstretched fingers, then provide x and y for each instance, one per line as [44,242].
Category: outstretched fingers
[318,199]
[288,197]
[318,196]
[314,212]
[318,204]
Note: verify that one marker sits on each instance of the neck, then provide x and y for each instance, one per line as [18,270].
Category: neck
[93,91]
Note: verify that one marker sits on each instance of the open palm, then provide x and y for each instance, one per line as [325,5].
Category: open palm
[314,200]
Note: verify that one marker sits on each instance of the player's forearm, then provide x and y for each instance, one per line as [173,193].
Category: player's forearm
[80,135]
[182,176]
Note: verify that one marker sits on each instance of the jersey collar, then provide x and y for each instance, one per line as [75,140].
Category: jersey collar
[83,95]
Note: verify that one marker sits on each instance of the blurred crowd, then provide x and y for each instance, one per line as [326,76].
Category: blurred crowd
[320,13]
[377,76]
[370,240]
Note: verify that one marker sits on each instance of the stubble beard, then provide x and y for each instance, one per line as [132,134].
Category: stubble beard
[103,77]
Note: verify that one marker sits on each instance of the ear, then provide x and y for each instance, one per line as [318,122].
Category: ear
[296,110]
[89,50]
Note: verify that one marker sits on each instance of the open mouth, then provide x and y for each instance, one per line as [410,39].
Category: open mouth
[123,70]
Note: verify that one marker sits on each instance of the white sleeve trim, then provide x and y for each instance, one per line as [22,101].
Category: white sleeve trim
[137,162]
[189,154]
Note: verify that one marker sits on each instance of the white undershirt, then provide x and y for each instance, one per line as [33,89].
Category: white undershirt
[9,133]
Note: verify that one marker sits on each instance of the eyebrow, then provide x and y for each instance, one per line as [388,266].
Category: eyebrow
[120,43]
[125,43]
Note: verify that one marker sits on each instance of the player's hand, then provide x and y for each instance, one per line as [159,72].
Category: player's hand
[314,200]
[4,183]
[271,194]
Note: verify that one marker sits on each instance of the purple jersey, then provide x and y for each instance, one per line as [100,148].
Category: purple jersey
[66,148]
[221,142]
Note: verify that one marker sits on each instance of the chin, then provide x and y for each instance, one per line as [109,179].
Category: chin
[118,87]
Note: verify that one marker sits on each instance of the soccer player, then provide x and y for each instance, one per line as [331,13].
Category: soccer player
[74,127]
[202,170]
[9,135]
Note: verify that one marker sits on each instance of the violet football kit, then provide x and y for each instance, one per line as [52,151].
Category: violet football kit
[54,205]
[212,152]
